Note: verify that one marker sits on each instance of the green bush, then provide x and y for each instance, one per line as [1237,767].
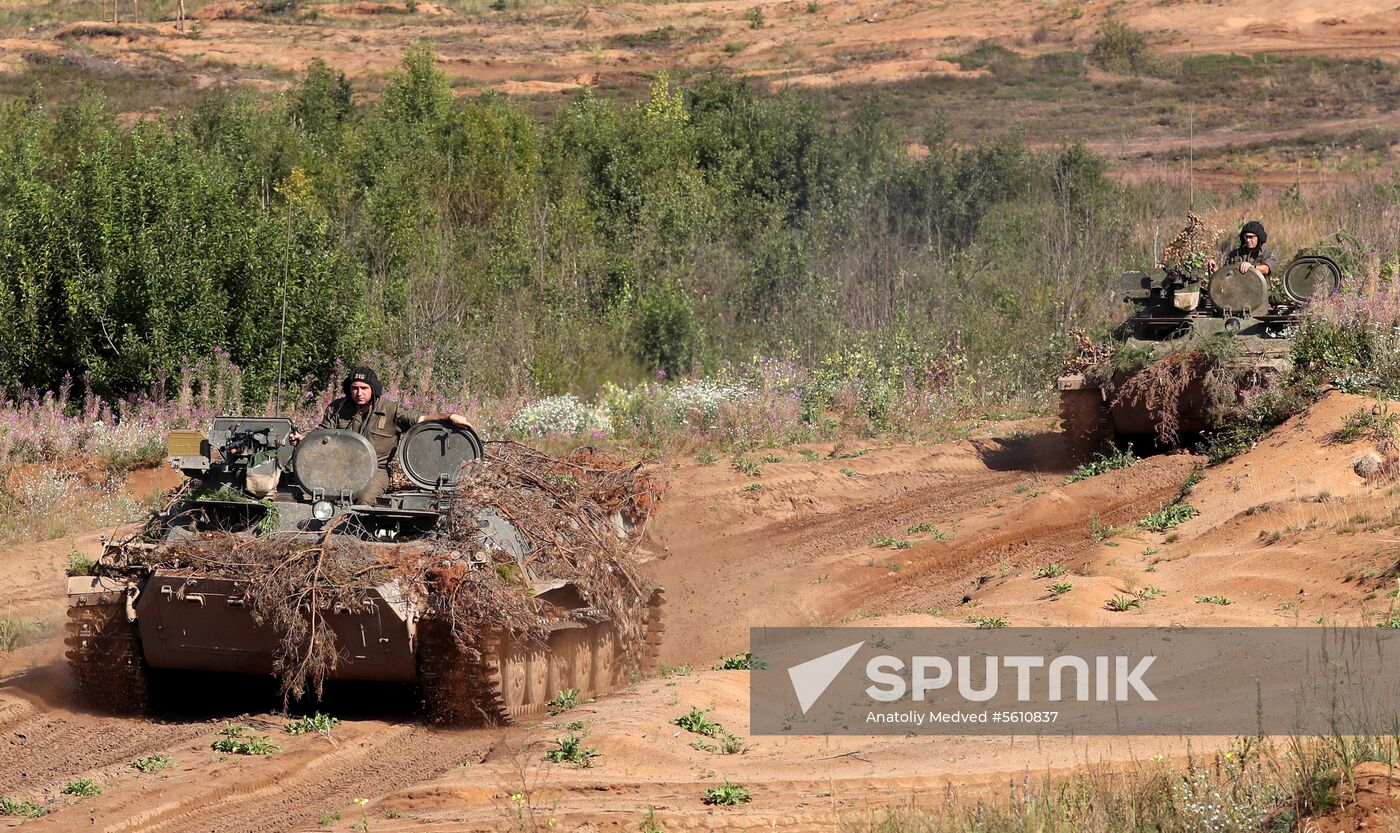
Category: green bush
[666,332]
[1119,47]
[698,227]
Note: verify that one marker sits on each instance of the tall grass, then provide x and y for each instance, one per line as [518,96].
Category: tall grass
[1256,785]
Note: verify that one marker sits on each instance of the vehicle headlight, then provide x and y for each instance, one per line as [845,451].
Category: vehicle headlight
[322,510]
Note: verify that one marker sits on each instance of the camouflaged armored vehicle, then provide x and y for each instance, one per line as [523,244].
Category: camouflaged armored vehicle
[142,617]
[1172,311]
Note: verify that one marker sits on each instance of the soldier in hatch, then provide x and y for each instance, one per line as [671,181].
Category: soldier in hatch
[380,419]
[1250,251]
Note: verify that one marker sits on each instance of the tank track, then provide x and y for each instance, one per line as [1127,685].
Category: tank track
[1087,424]
[104,653]
[510,683]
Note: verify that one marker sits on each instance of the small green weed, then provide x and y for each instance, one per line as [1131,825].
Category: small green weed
[746,466]
[726,794]
[1119,459]
[696,721]
[1122,603]
[80,565]
[236,741]
[320,724]
[20,809]
[567,699]
[753,487]
[705,458]
[1049,571]
[1100,531]
[669,671]
[570,750]
[809,455]
[891,542]
[988,622]
[153,763]
[927,527]
[1168,517]
[1060,588]
[729,744]
[649,823]
[1376,423]
[1150,592]
[848,472]
[772,458]
[739,662]
[327,819]
[16,632]
[82,787]
[1213,600]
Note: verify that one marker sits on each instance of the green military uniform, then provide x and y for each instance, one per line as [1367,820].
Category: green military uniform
[382,425]
[1259,257]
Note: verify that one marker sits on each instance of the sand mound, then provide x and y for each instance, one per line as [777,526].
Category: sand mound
[364,8]
[227,10]
[880,72]
[90,29]
[1299,460]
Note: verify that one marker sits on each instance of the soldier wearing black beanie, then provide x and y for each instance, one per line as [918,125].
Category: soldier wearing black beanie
[380,419]
[1250,252]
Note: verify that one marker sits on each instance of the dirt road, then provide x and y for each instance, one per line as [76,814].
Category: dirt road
[816,544]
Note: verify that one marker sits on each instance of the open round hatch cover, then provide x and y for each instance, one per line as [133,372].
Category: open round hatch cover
[432,453]
[334,461]
[1236,291]
[1306,276]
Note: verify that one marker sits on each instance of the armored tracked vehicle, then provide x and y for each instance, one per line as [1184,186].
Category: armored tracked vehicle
[141,617]
[1173,312]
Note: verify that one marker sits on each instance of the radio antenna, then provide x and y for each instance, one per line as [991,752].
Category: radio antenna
[282,331]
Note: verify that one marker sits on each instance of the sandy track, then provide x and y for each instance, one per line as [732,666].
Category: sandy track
[288,790]
[789,553]
[41,749]
[798,550]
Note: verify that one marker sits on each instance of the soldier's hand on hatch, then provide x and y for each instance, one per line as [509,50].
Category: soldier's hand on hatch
[295,437]
[1245,266]
[1210,264]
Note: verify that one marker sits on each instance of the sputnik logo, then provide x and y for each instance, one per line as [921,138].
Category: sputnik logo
[811,678]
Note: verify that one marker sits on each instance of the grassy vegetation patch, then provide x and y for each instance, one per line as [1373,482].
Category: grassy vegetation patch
[20,809]
[235,740]
[570,750]
[1103,463]
[1168,517]
[727,795]
[315,724]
